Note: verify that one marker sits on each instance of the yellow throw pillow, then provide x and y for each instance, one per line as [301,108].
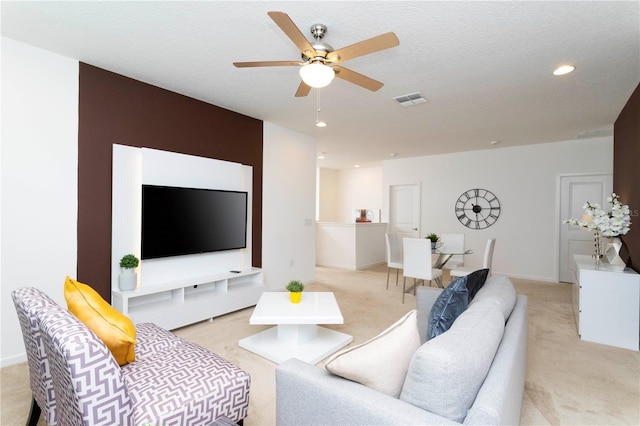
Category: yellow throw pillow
[116,330]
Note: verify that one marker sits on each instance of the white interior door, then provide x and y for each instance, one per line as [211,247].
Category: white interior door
[404,209]
[574,192]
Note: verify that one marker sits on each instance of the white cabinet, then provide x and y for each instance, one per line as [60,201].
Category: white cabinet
[176,304]
[606,303]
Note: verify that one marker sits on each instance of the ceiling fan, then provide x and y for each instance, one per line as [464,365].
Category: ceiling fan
[317,67]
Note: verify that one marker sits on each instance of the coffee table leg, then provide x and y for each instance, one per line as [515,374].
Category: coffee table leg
[296,334]
[309,343]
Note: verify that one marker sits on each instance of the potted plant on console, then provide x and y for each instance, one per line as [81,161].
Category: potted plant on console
[295,288]
[128,279]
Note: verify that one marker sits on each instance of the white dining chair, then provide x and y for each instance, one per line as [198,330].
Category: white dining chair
[417,263]
[488,261]
[394,255]
[453,243]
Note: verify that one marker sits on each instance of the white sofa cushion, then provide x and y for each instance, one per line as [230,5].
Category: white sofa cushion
[446,372]
[499,290]
[382,362]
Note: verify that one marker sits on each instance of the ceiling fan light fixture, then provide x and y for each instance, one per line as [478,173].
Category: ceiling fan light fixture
[316,74]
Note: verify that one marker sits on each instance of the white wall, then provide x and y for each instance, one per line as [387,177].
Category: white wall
[39,158]
[343,191]
[359,189]
[288,206]
[525,181]
[327,195]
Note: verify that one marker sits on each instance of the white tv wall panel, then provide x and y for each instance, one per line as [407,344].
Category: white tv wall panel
[133,167]
[126,196]
[190,171]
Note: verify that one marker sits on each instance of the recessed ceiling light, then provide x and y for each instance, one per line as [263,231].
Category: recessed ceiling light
[356,165]
[393,154]
[564,69]
[494,142]
[321,157]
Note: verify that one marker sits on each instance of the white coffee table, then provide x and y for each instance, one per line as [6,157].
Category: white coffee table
[297,334]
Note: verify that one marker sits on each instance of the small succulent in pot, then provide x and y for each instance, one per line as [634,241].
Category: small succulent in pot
[128,278]
[129,261]
[295,286]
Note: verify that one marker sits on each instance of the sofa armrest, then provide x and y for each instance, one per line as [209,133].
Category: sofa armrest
[425,298]
[308,395]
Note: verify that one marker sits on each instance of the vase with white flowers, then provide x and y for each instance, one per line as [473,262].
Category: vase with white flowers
[611,224]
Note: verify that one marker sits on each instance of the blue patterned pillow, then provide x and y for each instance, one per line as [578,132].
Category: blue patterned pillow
[452,302]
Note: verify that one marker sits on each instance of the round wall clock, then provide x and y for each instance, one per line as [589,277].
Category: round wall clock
[477,208]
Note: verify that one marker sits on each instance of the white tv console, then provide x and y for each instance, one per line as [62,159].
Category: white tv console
[176,304]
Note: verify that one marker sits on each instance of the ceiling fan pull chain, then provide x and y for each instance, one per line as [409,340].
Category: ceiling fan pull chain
[318,122]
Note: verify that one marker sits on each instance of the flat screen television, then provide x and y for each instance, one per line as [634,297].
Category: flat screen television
[179,221]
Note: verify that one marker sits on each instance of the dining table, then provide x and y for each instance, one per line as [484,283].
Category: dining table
[439,258]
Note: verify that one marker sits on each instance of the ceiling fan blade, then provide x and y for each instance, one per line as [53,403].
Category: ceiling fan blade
[357,78]
[303,90]
[267,64]
[374,44]
[293,32]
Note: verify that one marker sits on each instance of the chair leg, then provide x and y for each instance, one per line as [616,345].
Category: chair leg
[404,286]
[397,274]
[388,270]
[34,414]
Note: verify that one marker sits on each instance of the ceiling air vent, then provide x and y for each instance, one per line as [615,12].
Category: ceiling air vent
[411,99]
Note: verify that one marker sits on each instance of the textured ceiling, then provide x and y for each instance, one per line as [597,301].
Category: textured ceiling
[484,67]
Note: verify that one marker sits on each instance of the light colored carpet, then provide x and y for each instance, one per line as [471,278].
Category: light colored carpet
[569,381]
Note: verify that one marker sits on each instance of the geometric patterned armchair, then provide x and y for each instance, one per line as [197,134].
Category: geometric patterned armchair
[171,382]
[28,301]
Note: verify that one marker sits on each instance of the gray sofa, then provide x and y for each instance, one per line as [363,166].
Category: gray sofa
[307,394]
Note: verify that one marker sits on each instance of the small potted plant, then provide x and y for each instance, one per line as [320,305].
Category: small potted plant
[434,239]
[295,288]
[128,279]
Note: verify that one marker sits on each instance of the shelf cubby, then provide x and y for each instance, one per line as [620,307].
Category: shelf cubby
[176,304]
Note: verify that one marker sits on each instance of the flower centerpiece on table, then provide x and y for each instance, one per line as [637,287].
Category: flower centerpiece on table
[607,224]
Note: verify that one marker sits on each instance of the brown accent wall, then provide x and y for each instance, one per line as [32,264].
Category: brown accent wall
[117,109]
[626,173]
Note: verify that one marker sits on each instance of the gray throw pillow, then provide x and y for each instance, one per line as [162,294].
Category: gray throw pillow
[452,302]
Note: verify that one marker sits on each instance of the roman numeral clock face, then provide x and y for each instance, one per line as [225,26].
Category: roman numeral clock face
[477,208]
